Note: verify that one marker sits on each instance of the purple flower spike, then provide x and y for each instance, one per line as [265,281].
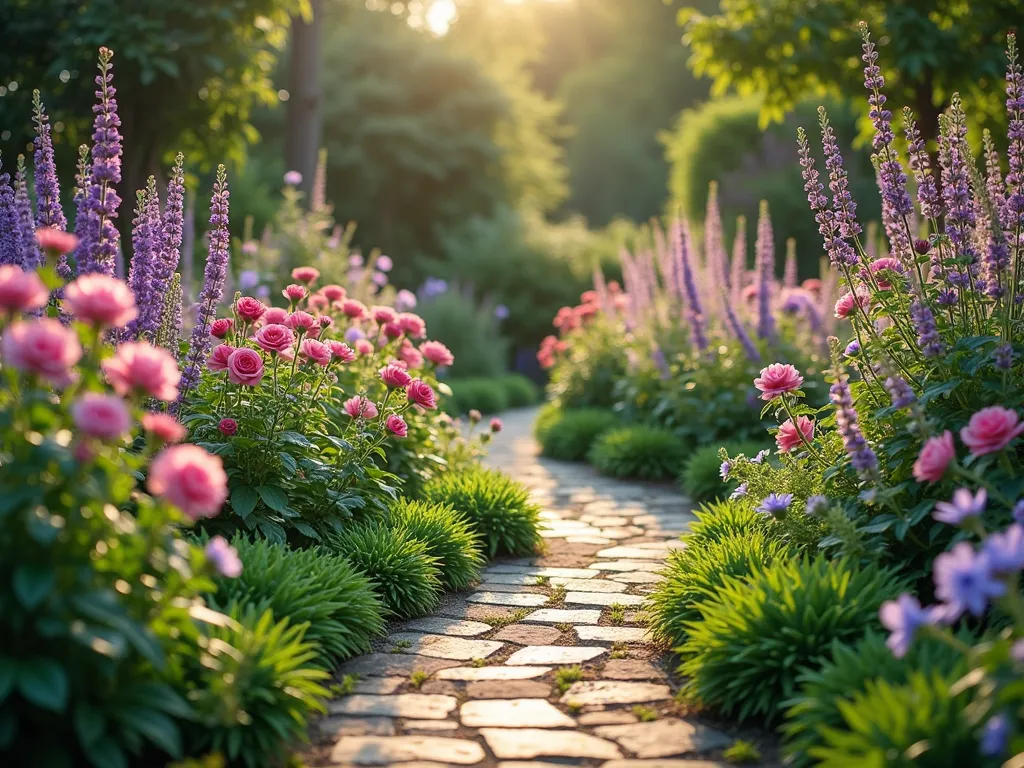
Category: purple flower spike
[857,448]
[954,157]
[764,256]
[31,258]
[963,580]
[749,348]
[928,338]
[927,192]
[844,209]
[1006,550]
[1014,208]
[49,212]
[903,617]
[738,268]
[146,244]
[900,393]
[10,231]
[964,505]
[684,262]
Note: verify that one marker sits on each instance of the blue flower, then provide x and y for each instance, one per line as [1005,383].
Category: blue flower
[995,735]
[852,349]
[963,580]
[776,505]
[739,493]
[963,506]
[501,312]
[903,617]
[725,469]
[1005,550]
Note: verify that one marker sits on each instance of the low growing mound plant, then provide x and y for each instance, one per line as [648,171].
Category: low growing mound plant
[405,575]
[340,605]
[498,508]
[484,395]
[701,477]
[721,519]
[447,535]
[569,434]
[641,452]
[759,633]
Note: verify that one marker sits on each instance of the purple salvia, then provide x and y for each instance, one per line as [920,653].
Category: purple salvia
[764,260]
[147,245]
[900,393]
[716,262]
[693,310]
[318,202]
[954,156]
[213,285]
[839,251]
[928,339]
[99,246]
[31,257]
[739,262]
[857,448]
[844,208]
[168,335]
[927,192]
[1014,207]
[188,249]
[994,184]
[1004,357]
[734,324]
[80,199]
[658,358]
[167,235]
[10,231]
[49,212]
[790,277]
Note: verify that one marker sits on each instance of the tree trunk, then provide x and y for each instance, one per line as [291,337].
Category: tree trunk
[305,102]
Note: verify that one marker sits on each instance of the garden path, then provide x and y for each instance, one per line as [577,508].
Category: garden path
[547,662]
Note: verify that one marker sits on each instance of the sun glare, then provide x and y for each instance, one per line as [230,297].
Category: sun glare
[442,13]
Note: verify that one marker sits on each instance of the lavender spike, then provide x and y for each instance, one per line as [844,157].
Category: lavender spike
[49,212]
[764,257]
[693,310]
[1014,208]
[10,231]
[738,268]
[790,276]
[168,335]
[860,453]
[31,258]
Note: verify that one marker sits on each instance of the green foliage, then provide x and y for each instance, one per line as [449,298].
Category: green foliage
[487,395]
[701,478]
[519,390]
[742,752]
[847,672]
[258,689]
[568,434]
[695,574]
[497,507]
[405,575]
[722,519]
[920,722]
[469,330]
[566,676]
[586,375]
[642,452]
[448,536]
[758,634]
[338,604]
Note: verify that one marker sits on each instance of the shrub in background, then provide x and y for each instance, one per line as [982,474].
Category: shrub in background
[641,452]
[468,329]
[447,534]
[498,508]
[519,390]
[486,395]
[569,434]
[338,604]
[701,478]
[404,574]
[758,634]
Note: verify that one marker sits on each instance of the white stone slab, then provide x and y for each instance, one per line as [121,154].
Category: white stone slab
[444,647]
[513,713]
[553,654]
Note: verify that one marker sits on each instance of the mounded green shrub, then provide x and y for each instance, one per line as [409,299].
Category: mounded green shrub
[448,535]
[404,573]
[721,519]
[256,696]
[641,452]
[310,586]
[754,638]
[694,575]
[701,477]
[484,395]
[519,390]
[848,671]
[497,507]
[569,434]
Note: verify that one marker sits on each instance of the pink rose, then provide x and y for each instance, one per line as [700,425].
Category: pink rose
[420,393]
[383,315]
[935,456]
[364,347]
[848,301]
[496,425]
[100,300]
[227,427]
[318,301]
[301,322]
[101,416]
[139,366]
[219,357]
[21,291]
[333,292]
[991,429]
[399,363]
[886,264]
[360,407]
[220,327]
[354,309]
[163,427]
[55,242]
[275,316]
[396,425]
[788,438]
[410,355]
[275,338]
[393,376]
[245,366]
[44,347]
[189,478]
[249,309]
[305,274]
[294,292]
[437,353]
[777,379]
[316,351]
[412,324]
[392,330]
[341,351]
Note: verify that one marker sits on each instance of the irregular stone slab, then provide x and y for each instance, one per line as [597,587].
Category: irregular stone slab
[513,713]
[508,689]
[442,647]
[627,565]
[634,553]
[527,743]
[492,673]
[430,725]
[612,634]
[442,687]
[564,616]
[379,684]
[590,585]
[498,586]
[631,669]
[602,598]
[513,579]
[664,738]
[524,634]
[338,727]
[377,750]
[508,598]
[669,544]
[636,577]
[607,717]
[539,570]
[597,541]
[663,764]
[553,654]
[419,706]
[393,665]
[613,692]
[439,625]
[606,521]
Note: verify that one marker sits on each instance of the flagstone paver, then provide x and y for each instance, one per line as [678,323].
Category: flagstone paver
[489,655]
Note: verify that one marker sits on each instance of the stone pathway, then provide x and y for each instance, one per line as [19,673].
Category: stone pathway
[547,662]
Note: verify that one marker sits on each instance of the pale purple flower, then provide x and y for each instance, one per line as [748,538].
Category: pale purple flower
[1014,208]
[501,312]
[954,158]
[996,735]
[724,469]
[693,309]
[963,580]
[852,349]
[293,178]
[30,253]
[171,236]
[434,286]
[405,300]
[1006,550]
[816,505]
[776,505]
[10,231]
[928,339]
[355,260]
[1018,511]
[903,617]
[839,251]
[963,505]
[49,212]
[147,241]
[1004,357]
[224,557]
[860,453]
[764,250]
[761,456]
[927,192]
[379,278]
[248,279]
[250,248]
[384,263]
[844,209]
[739,493]
[900,393]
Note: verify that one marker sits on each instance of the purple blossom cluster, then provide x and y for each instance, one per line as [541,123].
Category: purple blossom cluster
[857,448]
